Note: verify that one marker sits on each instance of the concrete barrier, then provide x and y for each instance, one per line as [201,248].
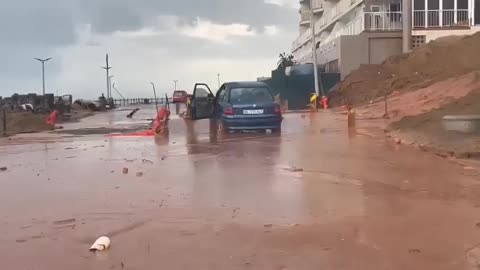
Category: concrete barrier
[462,123]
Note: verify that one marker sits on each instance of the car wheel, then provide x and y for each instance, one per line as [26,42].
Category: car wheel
[277,130]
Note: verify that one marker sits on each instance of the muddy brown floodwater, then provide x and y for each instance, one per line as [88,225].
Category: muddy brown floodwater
[314,197]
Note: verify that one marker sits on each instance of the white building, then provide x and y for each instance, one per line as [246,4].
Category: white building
[353,32]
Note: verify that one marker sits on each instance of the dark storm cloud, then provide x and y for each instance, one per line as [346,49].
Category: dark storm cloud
[46,23]
[44,28]
[110,15]
[53,22]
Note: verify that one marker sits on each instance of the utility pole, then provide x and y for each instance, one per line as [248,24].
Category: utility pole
[107,68]
[218,80]
[4,122]
[155,96]
[314,51]
[175,83]
[407,25]
[43,71]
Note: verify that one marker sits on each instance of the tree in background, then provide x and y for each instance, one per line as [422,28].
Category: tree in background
[285,60]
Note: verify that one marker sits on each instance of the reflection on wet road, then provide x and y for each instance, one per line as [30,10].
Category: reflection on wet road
[314,197]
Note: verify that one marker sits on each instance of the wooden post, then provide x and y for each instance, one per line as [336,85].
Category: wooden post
[4,118]
[167,104]
[351,117]
[177,108]
[386,105]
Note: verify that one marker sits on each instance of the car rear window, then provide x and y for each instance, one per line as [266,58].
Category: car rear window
[179,94]
[250,95]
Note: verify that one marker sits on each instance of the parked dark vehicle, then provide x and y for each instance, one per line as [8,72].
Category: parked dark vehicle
[180,96]
[238,106]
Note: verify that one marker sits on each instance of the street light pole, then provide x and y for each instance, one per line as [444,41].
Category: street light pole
[43,71]
[155,96]
[407,25]
[175,83]
[107,68]
[218,80]
[314,51]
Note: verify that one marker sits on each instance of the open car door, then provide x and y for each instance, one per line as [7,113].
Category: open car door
[203,102]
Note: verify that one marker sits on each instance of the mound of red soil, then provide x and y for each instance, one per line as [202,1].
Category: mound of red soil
[438,60]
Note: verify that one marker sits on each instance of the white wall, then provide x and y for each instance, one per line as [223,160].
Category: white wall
[434,34]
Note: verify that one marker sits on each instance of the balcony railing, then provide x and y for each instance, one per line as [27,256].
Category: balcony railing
[334,13]
[305,16]
[383,21]
[317,5]
[354,27]
[440,18]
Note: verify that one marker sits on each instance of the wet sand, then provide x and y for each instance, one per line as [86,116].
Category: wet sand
[314,197]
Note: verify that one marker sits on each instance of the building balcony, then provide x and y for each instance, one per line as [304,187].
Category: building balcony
[317,6]
[305,17]
[326,20]
[443,18]
[365,21]
[383,21]
[336,12]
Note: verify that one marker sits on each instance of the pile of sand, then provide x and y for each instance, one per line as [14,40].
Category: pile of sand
[438,60]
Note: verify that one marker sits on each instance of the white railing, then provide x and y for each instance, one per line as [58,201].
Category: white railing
[369,21]
[440,18]
[305,16]
[317,4]
[334,12]
[383,21]
[354,27]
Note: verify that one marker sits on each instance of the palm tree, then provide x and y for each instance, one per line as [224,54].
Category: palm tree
[285,60]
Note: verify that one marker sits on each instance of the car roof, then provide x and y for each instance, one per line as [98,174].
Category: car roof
[245,84]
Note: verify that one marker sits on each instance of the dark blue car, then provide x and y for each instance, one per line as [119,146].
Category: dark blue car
[238,106]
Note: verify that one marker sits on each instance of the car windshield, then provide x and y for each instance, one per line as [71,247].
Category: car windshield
[250,95]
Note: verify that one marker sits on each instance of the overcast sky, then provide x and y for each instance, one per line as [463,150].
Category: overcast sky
[147,40]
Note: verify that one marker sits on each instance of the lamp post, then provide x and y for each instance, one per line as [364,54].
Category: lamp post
[43,70]
[314,51]
[175,84]
[107,68]
[155,96]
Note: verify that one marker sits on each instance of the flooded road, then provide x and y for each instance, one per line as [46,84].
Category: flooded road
[315,197]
